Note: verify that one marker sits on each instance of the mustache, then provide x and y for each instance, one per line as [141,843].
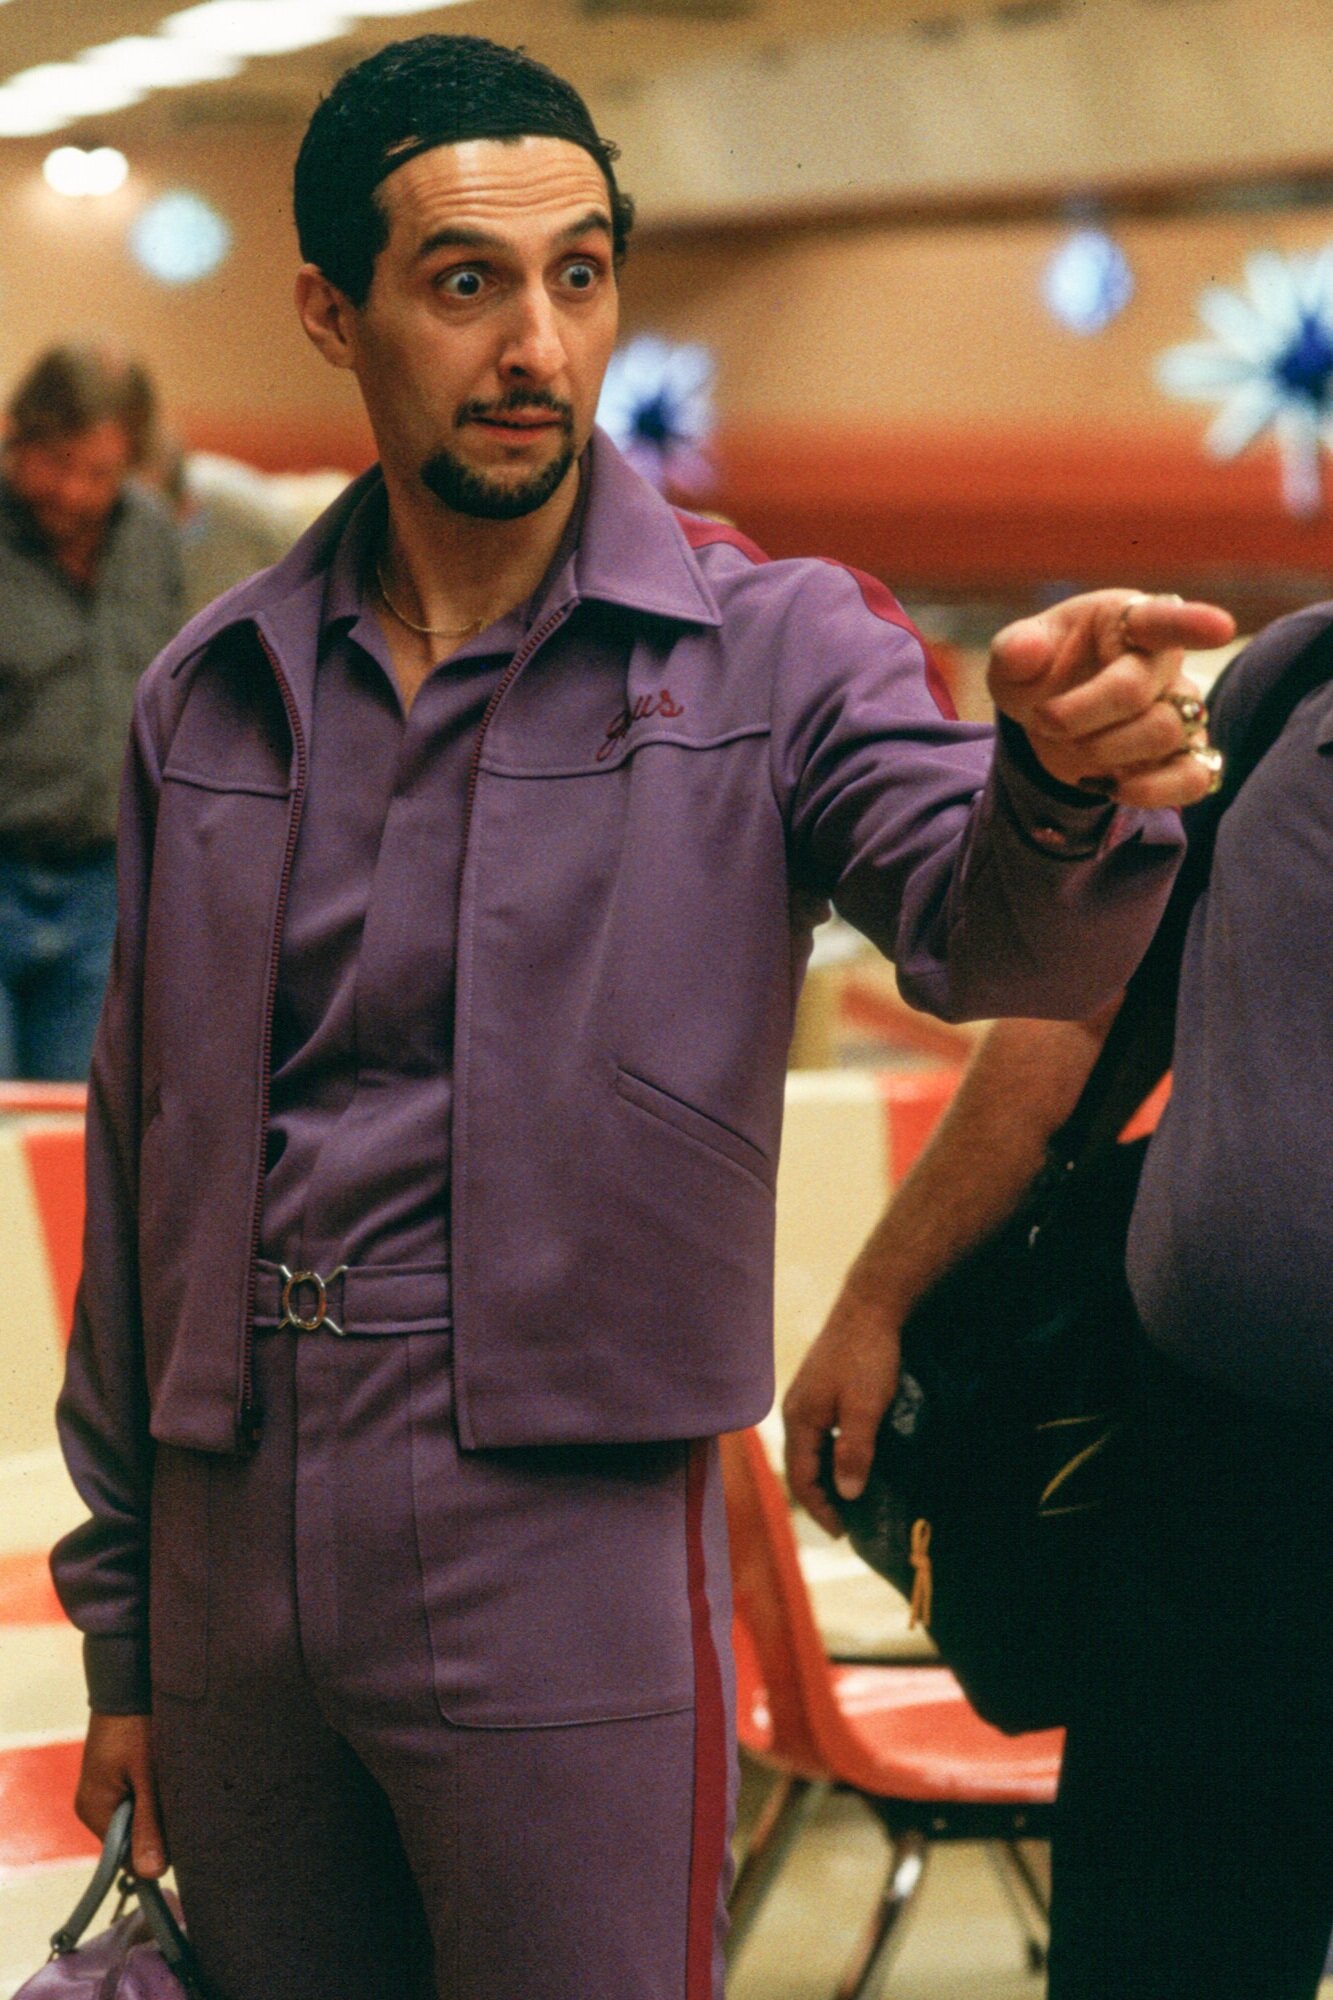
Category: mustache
[517,399]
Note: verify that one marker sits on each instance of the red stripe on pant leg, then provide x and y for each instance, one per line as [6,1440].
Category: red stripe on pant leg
[708,1844]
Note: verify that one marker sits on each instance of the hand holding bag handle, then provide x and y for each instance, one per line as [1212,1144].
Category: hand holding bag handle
[167,1934]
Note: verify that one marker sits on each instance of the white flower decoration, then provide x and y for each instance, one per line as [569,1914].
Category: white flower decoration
[657,404]
[1270,366]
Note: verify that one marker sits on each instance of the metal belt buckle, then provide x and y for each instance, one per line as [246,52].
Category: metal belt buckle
[320,1318]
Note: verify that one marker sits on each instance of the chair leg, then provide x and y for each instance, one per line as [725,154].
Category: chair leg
[907,1864]
[1038,1891]
[786,1812]
[1025,1897]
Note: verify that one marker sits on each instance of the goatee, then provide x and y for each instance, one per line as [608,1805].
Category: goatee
[487,499]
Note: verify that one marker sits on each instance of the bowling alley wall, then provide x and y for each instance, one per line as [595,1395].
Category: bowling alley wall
[892,386]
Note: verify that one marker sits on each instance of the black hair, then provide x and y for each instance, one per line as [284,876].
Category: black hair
[435,90]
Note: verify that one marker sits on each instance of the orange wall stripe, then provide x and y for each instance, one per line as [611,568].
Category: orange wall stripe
[37,1822]
[27,1594]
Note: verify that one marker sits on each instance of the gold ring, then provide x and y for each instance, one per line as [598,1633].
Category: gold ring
[1213,762]
[1191,708]
[1127,645]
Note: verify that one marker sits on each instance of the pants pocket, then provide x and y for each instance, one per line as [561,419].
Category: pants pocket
[555,1578]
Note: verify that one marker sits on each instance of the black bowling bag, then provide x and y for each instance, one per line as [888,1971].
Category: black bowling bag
[995,1478]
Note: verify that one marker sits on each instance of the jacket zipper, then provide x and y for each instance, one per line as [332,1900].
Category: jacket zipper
[508,677]
[502,687]
[250,1417]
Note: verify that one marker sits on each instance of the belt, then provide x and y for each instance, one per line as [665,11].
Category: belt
[355,1299]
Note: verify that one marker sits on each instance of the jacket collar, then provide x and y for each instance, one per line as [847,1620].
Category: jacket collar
[632,553]
[633,550]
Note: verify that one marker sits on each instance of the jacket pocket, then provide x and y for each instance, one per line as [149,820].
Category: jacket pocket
[178,1572]
[694,1124]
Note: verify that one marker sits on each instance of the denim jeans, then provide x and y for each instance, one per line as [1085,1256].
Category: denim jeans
[57,922]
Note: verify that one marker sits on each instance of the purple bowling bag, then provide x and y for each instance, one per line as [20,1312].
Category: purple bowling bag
[143,1956]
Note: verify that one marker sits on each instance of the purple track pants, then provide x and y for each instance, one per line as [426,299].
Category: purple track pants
[440,1726]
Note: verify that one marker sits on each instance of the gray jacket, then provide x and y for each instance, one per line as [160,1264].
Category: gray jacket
[70,660]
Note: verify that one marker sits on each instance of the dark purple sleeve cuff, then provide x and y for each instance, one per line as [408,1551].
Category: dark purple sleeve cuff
[1064,823]
[116,1670]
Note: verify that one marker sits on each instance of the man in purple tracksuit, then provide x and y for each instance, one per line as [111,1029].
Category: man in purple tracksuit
[468,865]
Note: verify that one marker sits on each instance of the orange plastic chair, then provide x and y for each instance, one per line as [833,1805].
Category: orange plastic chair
[904,1739]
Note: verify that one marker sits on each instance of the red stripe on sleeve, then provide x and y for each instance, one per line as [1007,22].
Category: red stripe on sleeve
[701,534]
[881,602]
[709,1838]
[878,599]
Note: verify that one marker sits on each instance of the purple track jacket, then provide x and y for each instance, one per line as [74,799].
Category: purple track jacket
[692,754]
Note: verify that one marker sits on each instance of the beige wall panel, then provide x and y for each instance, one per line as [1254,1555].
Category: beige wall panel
[1106,91]
[38,1503]
[34,1902]
[831,1187]
[42,1693]
[30,1349]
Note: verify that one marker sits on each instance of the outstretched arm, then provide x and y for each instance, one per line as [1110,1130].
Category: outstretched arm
[1017,878]
[1020,1086]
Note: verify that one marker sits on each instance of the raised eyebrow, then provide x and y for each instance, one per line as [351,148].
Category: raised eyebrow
[457,236]
[595,222]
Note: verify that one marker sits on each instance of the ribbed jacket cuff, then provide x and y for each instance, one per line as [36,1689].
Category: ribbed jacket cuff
[116,1670]
[1064,823]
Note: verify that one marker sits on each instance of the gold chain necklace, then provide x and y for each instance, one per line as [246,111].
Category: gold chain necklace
[427,631]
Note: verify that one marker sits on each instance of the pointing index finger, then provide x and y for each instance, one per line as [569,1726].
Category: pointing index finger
[1163,624]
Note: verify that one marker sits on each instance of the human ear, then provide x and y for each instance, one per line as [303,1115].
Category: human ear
[326,315]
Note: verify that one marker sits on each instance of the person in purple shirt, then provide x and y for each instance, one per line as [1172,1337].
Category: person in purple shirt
[1193,1849]
[468,865]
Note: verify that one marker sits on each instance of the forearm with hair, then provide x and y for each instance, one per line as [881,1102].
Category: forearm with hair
[1021,1084]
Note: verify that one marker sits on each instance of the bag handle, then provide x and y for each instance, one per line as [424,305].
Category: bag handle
[115,1852]
[114,1861]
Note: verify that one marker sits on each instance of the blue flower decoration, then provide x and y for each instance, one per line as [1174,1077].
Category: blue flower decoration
[657,405]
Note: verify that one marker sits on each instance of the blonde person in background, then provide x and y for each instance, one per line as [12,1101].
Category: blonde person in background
[90,590]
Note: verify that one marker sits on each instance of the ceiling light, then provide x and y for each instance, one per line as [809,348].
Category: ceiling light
[257,27]
[1087,281]
[72,171]
[55,94]
[107,170]
[376,9]
[180,238]
[63,169]
[25,117]
[153,62]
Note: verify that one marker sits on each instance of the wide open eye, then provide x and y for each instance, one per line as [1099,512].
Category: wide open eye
[464,283]
[582,274]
